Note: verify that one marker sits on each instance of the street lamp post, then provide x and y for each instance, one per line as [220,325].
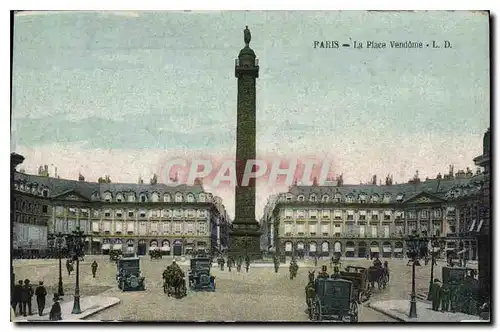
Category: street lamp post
[77,253]
[414,243]
[59,239]
[436,243]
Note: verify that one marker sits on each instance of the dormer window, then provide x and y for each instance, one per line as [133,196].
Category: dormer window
[325,198]
[362,198]
[155,197]
[387,198]
[45,193]
[166,198]
[119,197]
[107,197]
[300,198]
[350,198]
[374,198]
[143,198]
[178,197]
[289,197]
[313,198]
[95,196]
[338,197]
[399,198]
[131,197]
[142,214]
[190,198]
[201,197]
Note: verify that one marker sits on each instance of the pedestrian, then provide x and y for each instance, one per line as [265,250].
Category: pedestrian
[55,311]
[40,293]
[436,294]
[94,268]
[445,298]
[17,300]
[26,298]
[69,266]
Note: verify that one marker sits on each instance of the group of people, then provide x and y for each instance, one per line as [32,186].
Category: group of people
[22,301]
[231,262]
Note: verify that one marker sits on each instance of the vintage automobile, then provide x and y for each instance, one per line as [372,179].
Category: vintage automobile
[114,255]
[358,276]
[199,275]
[129,274]
[334,300]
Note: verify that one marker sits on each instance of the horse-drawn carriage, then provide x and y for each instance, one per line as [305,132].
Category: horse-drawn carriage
[155,254]
[334,299]
[379,275]
[129,274]
[358,276]
[174,283]
[199,275]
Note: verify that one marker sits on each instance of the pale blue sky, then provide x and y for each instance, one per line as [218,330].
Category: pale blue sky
[137,85]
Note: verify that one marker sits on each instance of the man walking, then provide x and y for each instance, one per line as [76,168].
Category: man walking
[436,294]
[40,293]
[26,298]
[94,268]
[17,300]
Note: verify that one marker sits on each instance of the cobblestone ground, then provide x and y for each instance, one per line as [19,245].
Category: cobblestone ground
[259,295]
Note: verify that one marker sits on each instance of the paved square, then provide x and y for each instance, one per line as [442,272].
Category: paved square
[259,295]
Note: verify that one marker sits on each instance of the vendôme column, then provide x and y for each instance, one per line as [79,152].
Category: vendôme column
[245,235]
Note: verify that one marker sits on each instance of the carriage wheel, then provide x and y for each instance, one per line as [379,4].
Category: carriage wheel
[315,310]
[354,312]
[310,309]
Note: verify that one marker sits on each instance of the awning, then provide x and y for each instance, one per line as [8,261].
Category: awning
[472,226]
[374,249]
[117,247]
[350,249]
[106,246]
[480,225]
[398,249]
[165,248]
[153,248]
[387,249]
[461,251]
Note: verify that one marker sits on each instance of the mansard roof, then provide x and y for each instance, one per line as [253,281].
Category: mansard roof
[59,186]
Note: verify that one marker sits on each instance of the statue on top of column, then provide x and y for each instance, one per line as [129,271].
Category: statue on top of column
[247,35]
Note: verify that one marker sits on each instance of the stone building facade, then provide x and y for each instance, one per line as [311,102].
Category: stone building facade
[128,217]
[361,220]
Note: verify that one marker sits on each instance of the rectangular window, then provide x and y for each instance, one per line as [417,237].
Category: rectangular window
[119,213]
[423,214]
[313,214]
[312,229]
[107,213]
[45,209]
[130,227]
[326,214]
[374,231]
[118,227]
[301,214]
[386,231]
[178,213]
[361,231]
[190,213]
[154,227]
[95,227]
[177,227]
[189,228]
[142,214]
[288,229]
[325,230]
[107,226]
[288,214]
[350,215]
[130,214]
[143,228]
[202,228]
[437,213]
[338,214]
[412,215]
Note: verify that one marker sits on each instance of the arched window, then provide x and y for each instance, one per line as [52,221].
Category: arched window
[178,197]
[350,198]
[338,197]
[201,197]
[45,193]
[119,197]
[131,197]
[325,198]
[155,197]
[313,198]
[300,198]
[374,198]
[166,198]
[190,198]
[143,198]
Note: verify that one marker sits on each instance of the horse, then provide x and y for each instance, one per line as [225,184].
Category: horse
[174,283]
